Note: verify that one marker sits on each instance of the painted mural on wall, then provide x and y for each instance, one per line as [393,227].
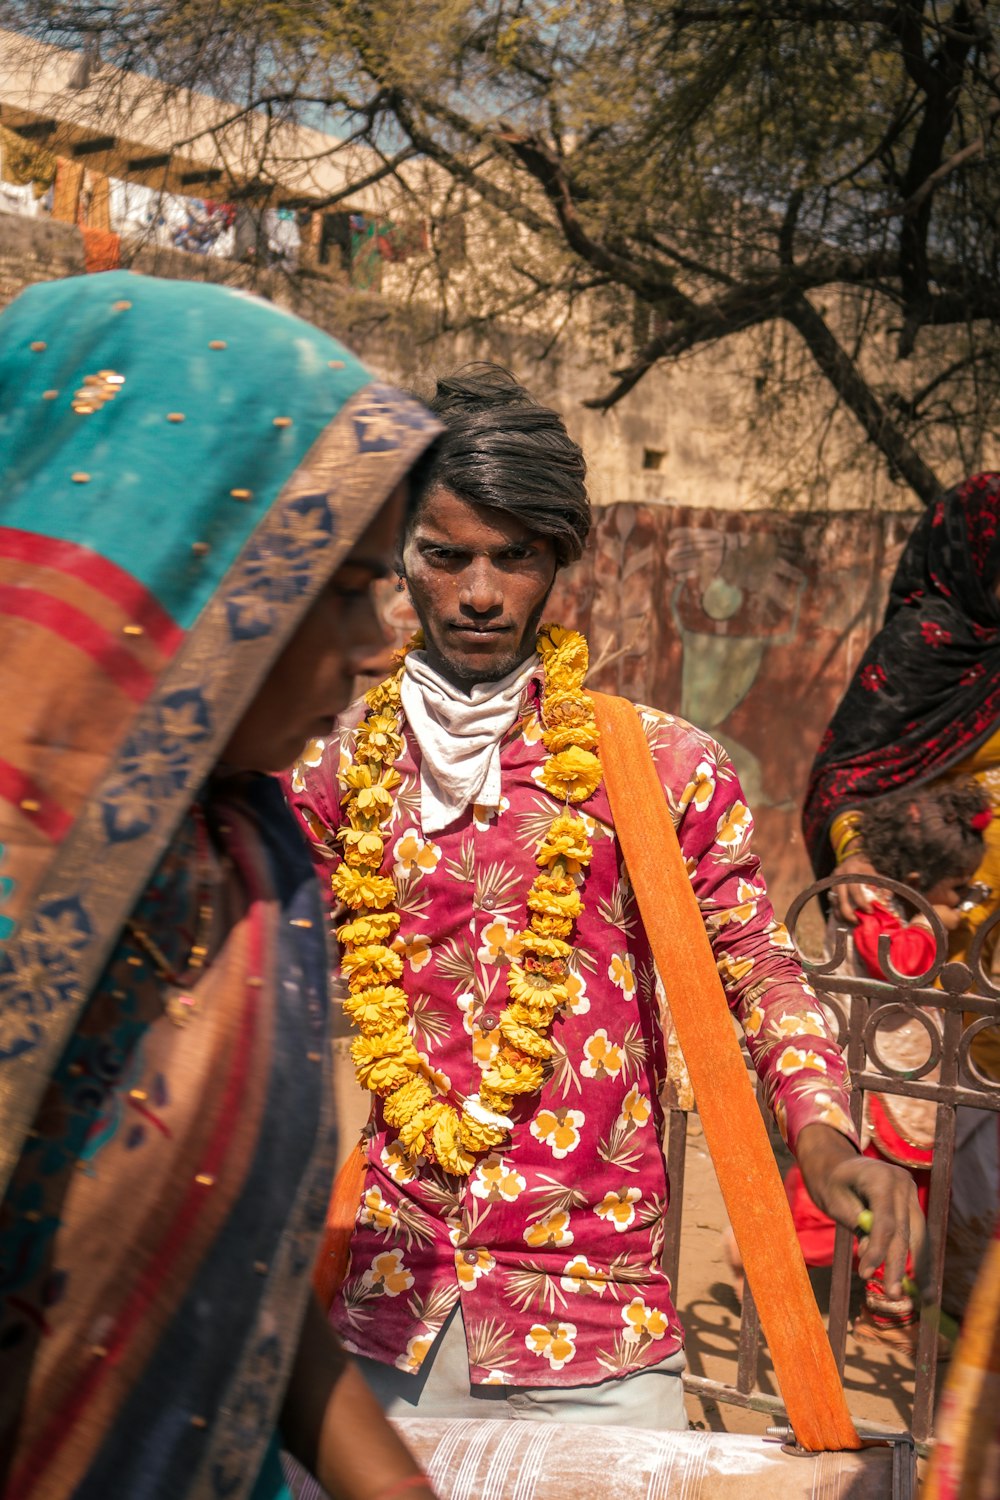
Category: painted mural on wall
[747,623]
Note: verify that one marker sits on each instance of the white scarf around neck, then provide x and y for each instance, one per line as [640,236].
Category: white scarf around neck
[459,736]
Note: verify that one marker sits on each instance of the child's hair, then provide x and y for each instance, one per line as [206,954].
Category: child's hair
[936,832]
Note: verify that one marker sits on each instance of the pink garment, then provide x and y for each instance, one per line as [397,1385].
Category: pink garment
[554,1242]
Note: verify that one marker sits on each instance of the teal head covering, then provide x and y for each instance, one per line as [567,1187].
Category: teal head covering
[182,468]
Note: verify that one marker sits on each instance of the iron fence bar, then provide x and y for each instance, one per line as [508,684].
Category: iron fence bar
[842,1271]
[904,1468]
[773,1406]
[840,1295]
[877,1083]
[937,1228]
[749,1346]
[718,1390]
[676,1156]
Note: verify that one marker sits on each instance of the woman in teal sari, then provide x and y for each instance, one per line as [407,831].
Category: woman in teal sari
[196,491]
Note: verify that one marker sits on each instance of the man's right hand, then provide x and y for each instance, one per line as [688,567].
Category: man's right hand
[849,899]
[844,1184]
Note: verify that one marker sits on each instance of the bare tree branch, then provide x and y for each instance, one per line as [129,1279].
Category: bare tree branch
[732,164]
[857,395]
[954,163]
[910,406]
[486,189]
[642,278]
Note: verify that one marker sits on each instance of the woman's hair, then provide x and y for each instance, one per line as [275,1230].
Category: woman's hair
[931,831]
[502,449]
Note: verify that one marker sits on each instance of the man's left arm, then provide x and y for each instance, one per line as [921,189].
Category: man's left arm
[790,1041]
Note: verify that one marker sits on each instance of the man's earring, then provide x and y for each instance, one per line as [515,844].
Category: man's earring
[401,585]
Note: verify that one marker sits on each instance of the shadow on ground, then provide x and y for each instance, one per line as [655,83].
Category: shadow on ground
[878,1380]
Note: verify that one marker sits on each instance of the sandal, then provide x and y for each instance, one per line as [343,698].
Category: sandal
[901,1336]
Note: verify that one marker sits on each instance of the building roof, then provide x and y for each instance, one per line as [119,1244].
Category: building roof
[135,127]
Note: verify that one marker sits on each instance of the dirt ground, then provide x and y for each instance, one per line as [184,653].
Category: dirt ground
[878,1381]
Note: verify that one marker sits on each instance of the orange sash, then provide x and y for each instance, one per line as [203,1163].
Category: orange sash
[330,1270]
[735,1133]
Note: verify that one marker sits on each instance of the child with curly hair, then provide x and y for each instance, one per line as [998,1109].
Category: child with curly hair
[930,839]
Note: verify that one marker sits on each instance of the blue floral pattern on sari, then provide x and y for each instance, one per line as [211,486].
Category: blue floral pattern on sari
[378,417]
[280,567]
[38,970]
[155,763]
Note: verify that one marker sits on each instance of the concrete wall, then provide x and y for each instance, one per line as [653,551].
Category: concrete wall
[36,250]
[713,431]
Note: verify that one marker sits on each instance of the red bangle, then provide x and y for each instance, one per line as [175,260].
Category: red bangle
[412,1482]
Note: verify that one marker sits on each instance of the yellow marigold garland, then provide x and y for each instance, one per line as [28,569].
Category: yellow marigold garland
[385,1058]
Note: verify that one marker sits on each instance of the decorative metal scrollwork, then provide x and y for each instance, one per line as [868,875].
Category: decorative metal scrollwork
[870,1013]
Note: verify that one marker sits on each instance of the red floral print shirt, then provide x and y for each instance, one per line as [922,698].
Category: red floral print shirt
[553,1244]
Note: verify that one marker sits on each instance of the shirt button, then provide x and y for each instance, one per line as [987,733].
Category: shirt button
[488,903]
[488,1021]
[470,1257]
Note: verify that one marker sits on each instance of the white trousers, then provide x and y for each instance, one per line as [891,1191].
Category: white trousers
[652,1398]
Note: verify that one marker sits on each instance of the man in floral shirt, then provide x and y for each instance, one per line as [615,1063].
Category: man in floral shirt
[506,1257]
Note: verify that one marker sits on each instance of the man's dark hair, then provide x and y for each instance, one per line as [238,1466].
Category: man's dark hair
[928,831]
[502,449]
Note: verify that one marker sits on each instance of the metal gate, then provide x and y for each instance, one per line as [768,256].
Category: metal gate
[965,998]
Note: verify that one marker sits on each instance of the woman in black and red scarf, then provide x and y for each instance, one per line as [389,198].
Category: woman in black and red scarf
[925,699]
[923,705]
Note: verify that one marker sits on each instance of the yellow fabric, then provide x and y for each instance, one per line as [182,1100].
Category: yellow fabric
[24,162]
[69,185]
[964,1463]
[734,1130]
[984,766]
